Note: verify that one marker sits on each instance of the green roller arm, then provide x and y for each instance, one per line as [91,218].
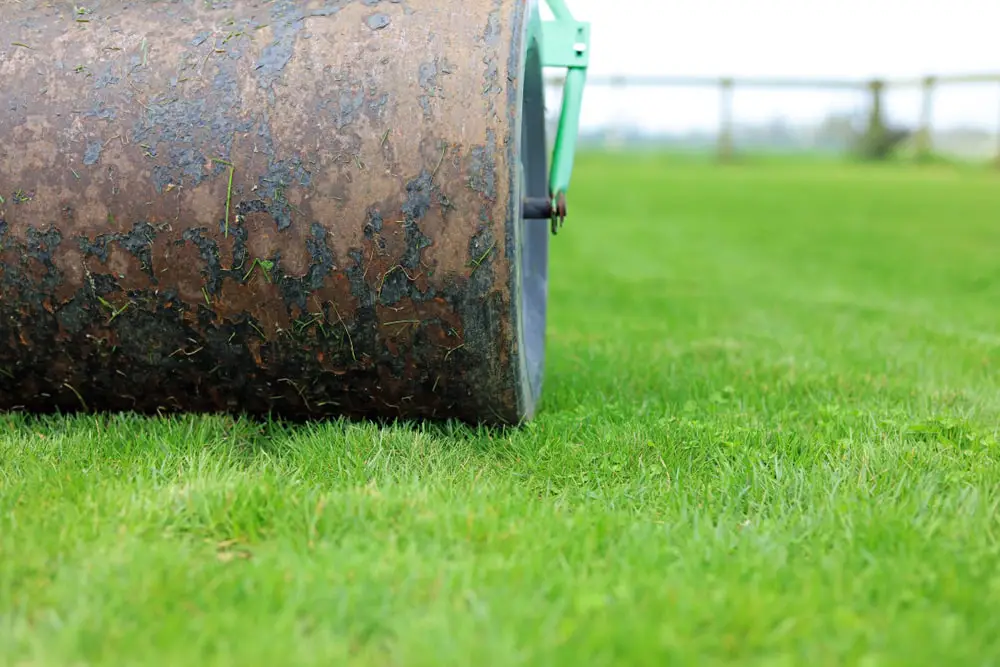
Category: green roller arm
[566,44]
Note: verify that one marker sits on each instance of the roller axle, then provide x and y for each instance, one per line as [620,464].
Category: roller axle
[544,208]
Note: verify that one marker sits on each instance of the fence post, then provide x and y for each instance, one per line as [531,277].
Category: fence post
[725,120]
[924,135]
[614,138]
[873,143]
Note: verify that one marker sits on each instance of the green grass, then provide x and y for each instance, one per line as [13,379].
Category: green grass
[769,436]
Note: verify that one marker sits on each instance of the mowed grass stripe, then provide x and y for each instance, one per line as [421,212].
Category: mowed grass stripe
[769,434]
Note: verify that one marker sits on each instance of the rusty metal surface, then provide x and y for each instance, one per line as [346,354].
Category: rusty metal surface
[298,208]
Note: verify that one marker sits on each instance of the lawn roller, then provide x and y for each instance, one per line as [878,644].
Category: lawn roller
[298,209]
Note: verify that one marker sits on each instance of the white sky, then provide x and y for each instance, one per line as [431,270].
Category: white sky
[793,38]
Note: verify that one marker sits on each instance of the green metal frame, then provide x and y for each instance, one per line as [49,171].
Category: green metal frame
[565,43]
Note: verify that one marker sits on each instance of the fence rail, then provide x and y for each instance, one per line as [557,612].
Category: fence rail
[779,82]
[874,89]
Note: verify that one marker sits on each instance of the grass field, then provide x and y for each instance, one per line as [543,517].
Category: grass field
[769,436]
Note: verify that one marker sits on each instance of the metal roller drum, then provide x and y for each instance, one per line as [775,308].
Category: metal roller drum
[299,209]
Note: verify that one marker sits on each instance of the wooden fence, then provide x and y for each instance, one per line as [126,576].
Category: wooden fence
[874,90]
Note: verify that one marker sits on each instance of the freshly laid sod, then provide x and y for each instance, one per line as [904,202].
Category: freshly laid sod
[769,435]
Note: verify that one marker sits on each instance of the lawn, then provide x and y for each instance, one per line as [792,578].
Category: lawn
[769,436]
